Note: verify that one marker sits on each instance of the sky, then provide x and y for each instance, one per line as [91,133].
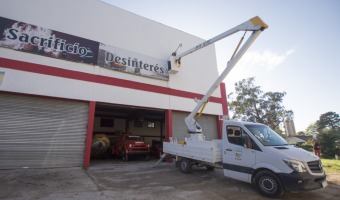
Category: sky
[298,54]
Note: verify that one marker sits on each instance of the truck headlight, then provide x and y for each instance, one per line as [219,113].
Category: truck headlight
[295,165]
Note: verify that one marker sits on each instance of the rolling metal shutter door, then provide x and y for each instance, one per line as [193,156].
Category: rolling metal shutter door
[40,132]
[179,128]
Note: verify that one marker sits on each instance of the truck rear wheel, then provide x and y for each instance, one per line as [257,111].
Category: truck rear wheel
[268,184]
[185,165]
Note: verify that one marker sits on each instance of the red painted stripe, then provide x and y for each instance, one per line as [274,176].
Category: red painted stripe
[224,109]
[54,71]
[88,140]
[224,99]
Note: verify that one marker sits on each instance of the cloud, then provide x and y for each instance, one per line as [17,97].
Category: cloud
[267,59]
[255,64]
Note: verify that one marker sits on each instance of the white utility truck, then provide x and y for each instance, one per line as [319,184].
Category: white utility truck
[249,152]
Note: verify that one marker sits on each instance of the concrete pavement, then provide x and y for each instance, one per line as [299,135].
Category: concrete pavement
[113,179]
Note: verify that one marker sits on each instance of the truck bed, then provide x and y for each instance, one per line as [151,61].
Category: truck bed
[207,151]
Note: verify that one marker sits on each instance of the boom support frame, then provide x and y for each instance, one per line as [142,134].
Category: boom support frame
[254,25]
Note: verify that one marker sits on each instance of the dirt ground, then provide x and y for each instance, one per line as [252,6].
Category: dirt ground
[137,180]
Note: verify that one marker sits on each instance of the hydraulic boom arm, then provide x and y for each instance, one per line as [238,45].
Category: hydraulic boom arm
[254,25]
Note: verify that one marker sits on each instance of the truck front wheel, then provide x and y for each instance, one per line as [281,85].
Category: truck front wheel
[185,165]
[268,184]
[125,156]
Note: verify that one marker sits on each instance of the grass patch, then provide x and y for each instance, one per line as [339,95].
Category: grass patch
[331,165]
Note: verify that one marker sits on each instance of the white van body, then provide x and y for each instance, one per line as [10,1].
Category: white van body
[253,153]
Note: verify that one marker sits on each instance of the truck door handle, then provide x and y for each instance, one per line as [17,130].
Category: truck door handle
[229,149]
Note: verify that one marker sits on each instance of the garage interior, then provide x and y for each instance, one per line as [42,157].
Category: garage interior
[111,121]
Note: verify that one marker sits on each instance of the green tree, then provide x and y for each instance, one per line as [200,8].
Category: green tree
[250,103]
[328,134]
[307,146]
[312,128]
[326,139]
[329,120]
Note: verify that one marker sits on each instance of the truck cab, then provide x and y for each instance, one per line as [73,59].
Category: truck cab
[127,145]
[254,153]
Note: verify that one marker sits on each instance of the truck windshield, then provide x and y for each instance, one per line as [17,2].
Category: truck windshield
[265,135]
[134,138]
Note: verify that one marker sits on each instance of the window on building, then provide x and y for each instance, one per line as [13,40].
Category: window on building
[138,124]
[151,124]
[107,122]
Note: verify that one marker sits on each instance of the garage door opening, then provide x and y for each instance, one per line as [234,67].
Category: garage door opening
[127,133]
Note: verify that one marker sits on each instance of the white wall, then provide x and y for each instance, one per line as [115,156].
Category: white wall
[208,123]
[104,23]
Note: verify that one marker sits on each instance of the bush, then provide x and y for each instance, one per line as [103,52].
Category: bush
[307,147]
[327,139]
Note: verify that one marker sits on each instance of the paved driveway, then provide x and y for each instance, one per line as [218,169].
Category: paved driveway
[136,180]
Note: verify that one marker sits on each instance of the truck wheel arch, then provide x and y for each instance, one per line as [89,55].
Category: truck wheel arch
[265,166]
[256,171]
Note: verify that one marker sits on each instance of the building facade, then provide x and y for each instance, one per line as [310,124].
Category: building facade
[92,69]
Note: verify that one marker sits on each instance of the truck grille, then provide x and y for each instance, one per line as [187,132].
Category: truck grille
[315,166]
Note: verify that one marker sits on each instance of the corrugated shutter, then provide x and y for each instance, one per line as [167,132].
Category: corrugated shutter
[208,123]
[41,132]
